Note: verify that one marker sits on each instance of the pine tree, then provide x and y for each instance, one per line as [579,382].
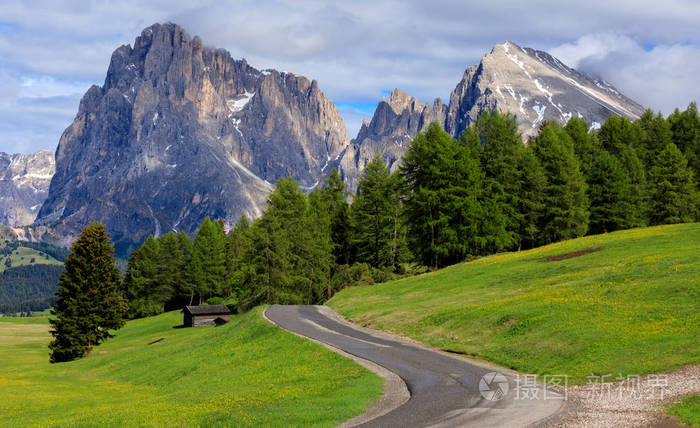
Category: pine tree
[671,188]
[586,145]
[443,188]
[171,274]
[633,167]
[321,257]
[141,281]
[264,265]
[685,128]
[89,302]
[609,194]
[566,205]
[185,290]
[502,145]
[618,133]
[626,141]
[532,187]
[236,244]
[208,263]
[277,261]
[656,135]
[372,216]
[339,210]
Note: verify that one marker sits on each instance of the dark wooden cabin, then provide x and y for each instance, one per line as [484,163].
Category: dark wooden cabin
[196,316]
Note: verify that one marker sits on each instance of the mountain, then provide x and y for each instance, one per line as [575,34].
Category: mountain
[24,185]
[530,84]
[180,131]
[393,126]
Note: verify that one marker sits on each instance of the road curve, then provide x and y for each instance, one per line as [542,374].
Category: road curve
[444,389]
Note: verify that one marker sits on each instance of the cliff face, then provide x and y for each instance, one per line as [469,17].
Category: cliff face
[180,131]
[531,85]
[389,133]
[24,185]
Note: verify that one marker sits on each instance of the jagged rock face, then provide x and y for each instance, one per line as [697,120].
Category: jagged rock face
[180,131]
[391,130]
[24,185]
[531,85]
[534,87]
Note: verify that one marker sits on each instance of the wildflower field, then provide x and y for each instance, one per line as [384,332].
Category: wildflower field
[245,373]
[623,303]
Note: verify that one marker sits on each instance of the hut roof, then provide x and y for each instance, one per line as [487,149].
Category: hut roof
[208,310]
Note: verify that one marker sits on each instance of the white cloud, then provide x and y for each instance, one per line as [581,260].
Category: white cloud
[661,77]
[355,50]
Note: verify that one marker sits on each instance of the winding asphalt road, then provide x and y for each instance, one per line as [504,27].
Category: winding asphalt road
[444,389]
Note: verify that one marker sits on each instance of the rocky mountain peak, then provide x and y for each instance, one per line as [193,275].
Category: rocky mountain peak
[393,126]
[534,87]
[24,185]
[531,85]
[180,131]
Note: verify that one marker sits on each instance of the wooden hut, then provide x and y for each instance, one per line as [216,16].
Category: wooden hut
[196,316]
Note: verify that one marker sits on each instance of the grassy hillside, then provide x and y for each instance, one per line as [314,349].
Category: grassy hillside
[21,255]
[246,373]
[633,307]
[29,274]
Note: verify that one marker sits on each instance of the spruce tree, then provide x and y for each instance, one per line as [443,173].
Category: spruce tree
[265,266]
[89,302]
[634,169]
[171,274]
[335,196]
[671,188]
[617,133]
[531,202]
[208,264]
[565,213]
[443,186]
[372,216]
[586,145]
[185,290]
[141,281]
[609,194]
[236,243]
[321,258]
[685,128]
[656,135]
[502,145]
[276,263]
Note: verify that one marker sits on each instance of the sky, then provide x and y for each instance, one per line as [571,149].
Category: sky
[51,51]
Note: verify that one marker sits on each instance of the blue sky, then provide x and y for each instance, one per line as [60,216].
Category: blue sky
[52,51]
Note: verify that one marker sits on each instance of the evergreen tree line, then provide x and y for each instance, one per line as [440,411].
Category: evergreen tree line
[449,201]
[28,288]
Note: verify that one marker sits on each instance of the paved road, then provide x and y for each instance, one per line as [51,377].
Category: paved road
[444,389]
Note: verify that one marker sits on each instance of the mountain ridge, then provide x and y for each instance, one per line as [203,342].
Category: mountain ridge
[24,185]
[532,85]
[180,131]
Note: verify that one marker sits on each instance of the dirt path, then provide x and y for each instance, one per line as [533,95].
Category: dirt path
[633,402]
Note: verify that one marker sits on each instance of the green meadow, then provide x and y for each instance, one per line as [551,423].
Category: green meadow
[631,307]
[245,373]
[23,256]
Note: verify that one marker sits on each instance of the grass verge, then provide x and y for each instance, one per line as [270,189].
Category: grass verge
[631,308]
